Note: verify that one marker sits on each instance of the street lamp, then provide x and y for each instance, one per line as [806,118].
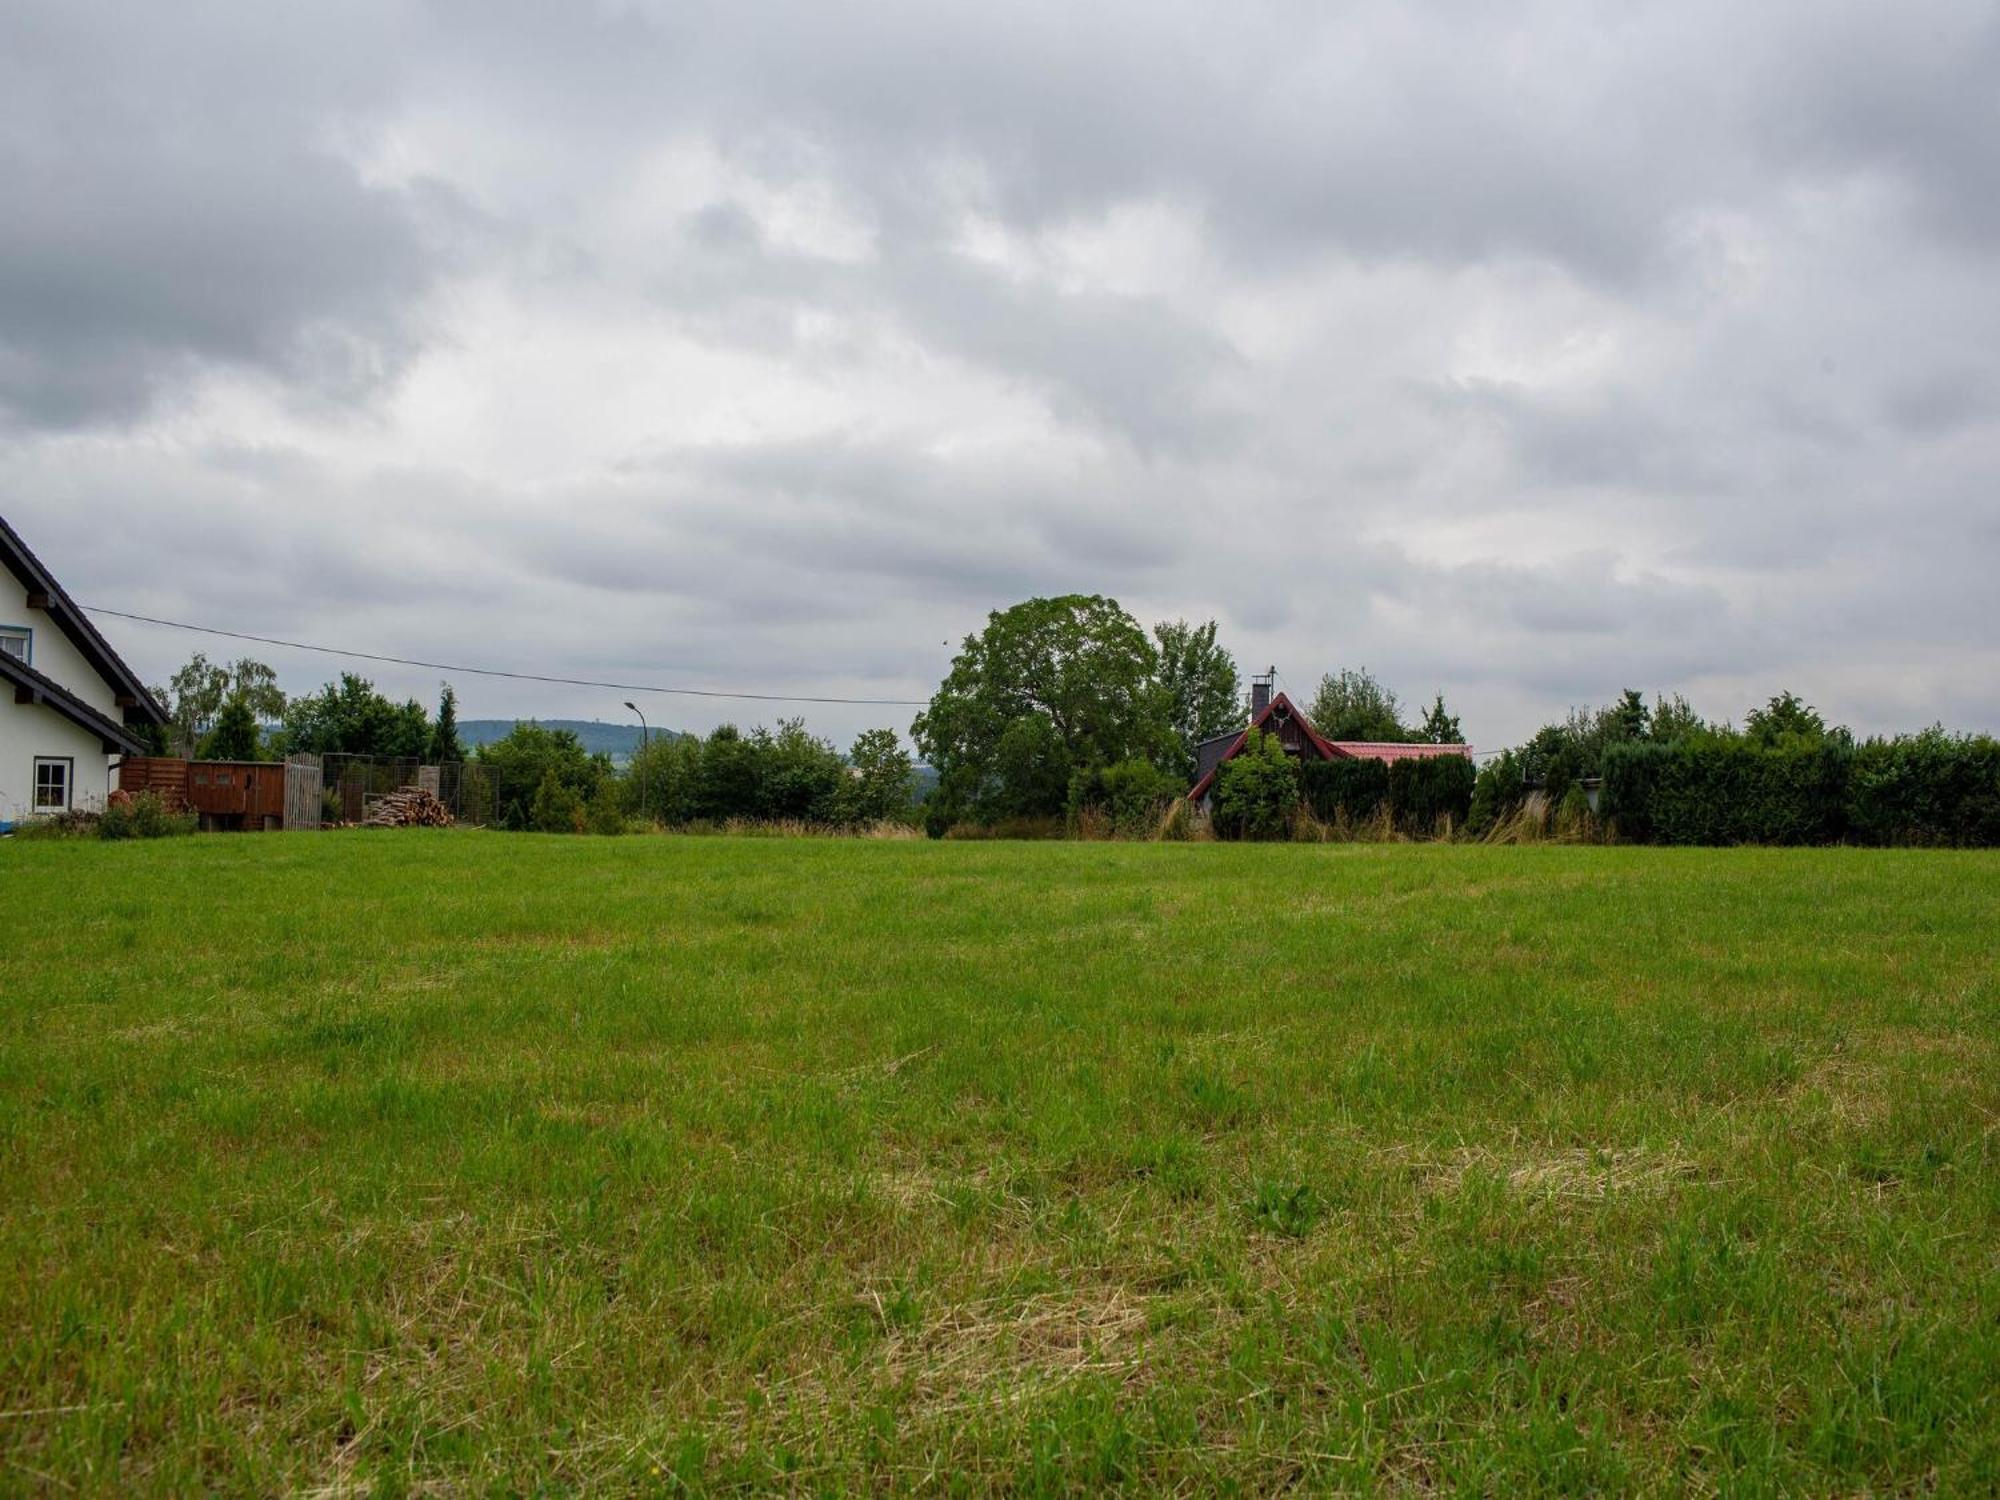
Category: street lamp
[645,764]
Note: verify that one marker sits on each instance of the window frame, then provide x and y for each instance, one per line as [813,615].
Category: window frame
[68,764]
[26,635]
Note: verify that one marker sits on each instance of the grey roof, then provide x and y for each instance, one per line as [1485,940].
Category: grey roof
[34,687]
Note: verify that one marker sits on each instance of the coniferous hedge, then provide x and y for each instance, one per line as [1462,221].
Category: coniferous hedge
[1352,789]
[1418,793]
[1423,792]
[1718,790]
[1930,788]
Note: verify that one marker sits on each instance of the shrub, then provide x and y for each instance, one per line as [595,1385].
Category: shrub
[1256,792]
[557,808]
[1431,792]
[1496,795]
[603,815]
[1131,797]
[1573,817]
[145,816]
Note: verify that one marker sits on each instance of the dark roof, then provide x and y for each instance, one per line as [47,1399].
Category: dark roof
[31,686]
[74,623]
[1325,748]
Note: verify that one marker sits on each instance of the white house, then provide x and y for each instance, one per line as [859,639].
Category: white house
[69,708]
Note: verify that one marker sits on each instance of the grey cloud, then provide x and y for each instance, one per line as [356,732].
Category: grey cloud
[168,210]
[1944,401]
[1525,354]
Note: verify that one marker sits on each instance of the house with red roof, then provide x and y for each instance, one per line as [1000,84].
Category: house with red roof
[1275,714]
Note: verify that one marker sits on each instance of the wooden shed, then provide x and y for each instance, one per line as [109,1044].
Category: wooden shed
[247,796]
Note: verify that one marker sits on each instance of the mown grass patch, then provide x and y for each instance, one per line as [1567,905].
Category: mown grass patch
[480,1161]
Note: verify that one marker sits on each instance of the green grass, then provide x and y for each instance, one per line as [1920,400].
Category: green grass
[483,1162]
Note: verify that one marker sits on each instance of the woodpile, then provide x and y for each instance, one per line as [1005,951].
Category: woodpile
[407,807]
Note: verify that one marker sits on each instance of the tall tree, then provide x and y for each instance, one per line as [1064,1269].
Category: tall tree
[195,696]
[1352,705]
[1439,727]
[444,747]
[1199,686]
[1049,687]
[881,782]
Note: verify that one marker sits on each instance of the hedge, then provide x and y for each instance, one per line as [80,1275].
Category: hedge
[1353,789]
[1425,791]
[1417,792]
[1930,788]
[1726,791]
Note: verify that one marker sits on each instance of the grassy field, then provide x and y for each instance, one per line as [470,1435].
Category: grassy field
[468,1161]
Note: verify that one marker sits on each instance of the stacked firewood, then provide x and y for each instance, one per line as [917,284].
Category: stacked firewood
[407,807]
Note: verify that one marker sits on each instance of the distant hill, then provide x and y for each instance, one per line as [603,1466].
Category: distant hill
[616,740]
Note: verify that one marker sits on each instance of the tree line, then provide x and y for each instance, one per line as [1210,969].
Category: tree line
[543,778]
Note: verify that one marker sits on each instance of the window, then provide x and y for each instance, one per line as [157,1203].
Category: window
[52,779]
[18,642]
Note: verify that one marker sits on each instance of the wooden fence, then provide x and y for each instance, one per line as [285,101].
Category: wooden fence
[304,789]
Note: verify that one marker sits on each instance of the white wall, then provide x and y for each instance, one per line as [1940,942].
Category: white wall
[31,729]
[53,655]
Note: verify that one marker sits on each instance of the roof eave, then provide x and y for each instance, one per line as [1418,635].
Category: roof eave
[70,619]
[33,687]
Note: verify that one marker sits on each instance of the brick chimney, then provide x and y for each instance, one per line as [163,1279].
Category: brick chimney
[1260,692]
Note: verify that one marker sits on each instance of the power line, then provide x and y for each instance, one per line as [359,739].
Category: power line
[436,666]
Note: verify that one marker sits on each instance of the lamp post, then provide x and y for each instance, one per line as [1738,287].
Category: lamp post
[645,763]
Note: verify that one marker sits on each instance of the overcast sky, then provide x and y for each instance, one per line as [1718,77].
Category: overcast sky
[1526,352]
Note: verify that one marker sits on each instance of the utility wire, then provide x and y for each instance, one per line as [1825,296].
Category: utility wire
[436,666]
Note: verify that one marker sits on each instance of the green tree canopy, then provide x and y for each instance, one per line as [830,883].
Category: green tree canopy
[1199,688]
[350,718]
[1674,719]
[530,758]
[1050,686]
[1785,717]
[1352,705]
